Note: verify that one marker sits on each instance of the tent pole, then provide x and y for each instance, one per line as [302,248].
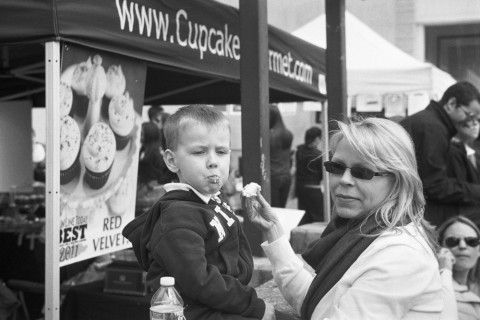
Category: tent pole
[327,215]
[336,59]
[336,80]
[52,196]
[254,100]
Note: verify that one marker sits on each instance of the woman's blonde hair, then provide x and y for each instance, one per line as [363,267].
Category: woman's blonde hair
[388,147]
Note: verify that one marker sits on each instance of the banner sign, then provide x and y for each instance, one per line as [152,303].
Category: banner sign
[101,99]
[185,37]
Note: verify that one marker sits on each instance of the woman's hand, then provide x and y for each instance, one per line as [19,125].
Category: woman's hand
[260,213]
[446,259]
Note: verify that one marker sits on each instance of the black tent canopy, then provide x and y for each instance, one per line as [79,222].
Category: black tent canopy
[192,48]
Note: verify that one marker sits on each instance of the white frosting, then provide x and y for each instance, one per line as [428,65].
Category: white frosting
[121,114]
[67,75]
[96,80]
[99,148]
[69,142]
[80,75]
[66,99]
[251,189]
[116,82]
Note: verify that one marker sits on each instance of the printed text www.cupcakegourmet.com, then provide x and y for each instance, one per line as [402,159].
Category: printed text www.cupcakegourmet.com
[149,22]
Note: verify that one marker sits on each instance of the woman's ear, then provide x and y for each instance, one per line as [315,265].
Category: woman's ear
[170,160]
[451,105]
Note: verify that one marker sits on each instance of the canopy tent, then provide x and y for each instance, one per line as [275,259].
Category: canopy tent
[191,48]
[374,65]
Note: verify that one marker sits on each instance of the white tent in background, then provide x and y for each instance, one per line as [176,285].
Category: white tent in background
[375,66]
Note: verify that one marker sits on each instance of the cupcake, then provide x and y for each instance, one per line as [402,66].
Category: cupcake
[98,153]
[120,200]
[249,194]
[69,149]
[251,190]
[116,82]
[79,77]
[66,99]
[121,116]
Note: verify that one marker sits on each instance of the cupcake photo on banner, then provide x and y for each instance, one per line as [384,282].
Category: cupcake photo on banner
[101,99]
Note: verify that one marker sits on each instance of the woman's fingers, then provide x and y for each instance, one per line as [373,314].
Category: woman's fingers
[262,201]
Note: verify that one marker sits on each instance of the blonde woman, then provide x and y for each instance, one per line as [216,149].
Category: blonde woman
[376,259]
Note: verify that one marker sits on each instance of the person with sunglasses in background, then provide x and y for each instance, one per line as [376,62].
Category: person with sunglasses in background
[376,258]
[432,130]
[458,259]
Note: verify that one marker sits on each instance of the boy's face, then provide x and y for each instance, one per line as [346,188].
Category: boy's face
[202,158]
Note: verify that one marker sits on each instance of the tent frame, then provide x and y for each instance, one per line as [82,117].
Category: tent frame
[52,197]
[17,30]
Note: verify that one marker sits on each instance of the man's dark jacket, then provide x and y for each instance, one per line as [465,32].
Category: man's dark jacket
[431,131]
[460,167]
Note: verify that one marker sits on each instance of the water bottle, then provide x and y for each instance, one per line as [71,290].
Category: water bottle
[166,303]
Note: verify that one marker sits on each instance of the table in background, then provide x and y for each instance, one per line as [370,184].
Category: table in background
[90,302]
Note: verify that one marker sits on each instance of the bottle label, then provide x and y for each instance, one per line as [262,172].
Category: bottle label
[166,312]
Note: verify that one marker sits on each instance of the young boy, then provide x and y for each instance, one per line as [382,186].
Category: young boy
[191,233]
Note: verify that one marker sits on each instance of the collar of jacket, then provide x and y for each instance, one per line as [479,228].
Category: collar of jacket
[442,115]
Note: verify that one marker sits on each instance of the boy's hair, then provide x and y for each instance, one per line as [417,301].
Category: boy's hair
[204,114]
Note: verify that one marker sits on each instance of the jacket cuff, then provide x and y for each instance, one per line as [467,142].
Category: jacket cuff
[280,252]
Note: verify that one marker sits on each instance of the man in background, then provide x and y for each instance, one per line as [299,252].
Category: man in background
[432,130]
[158,116]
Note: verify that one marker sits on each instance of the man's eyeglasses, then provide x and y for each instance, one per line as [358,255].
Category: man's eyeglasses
[468,114]
[452,242]
[356,172]
[470,119]
[467,123]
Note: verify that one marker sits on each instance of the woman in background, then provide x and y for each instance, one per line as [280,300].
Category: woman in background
[151,166]
[280,158]
[308,174]
[152,170]
[458,259]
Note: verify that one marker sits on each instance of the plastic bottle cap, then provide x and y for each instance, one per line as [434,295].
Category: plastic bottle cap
[167,281]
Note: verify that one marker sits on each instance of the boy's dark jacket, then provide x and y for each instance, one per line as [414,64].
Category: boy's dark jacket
[205,250]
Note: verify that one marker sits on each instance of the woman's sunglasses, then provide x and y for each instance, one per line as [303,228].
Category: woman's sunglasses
[356,172]
[452,242]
